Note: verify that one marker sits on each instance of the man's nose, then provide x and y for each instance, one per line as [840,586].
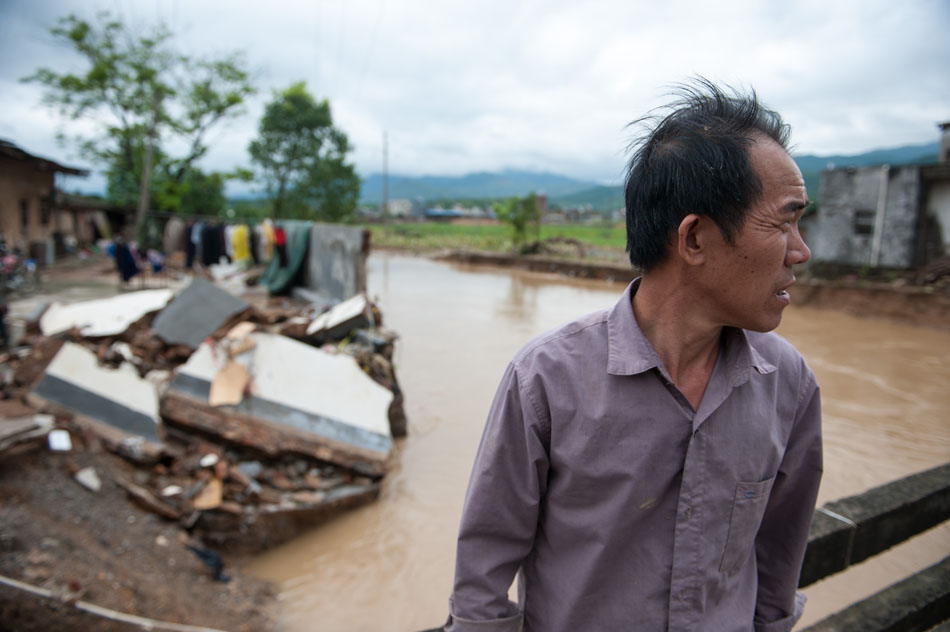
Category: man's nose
[798,251]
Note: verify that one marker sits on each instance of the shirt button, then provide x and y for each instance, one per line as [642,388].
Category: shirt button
[686,513]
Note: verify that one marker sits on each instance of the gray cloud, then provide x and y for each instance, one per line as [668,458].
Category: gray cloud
[464,86]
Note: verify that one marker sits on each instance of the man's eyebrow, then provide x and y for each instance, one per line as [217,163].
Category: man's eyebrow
[796,206]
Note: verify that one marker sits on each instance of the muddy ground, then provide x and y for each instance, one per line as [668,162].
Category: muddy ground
[98,547]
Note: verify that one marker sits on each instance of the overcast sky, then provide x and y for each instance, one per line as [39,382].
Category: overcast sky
[549,86]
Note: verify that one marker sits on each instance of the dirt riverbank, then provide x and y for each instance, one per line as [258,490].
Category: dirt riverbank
[925,306]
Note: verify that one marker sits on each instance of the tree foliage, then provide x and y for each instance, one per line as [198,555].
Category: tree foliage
[136,86]
[301,157]
[523,215]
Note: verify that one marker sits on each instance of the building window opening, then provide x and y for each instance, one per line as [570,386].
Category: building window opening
[24,217]
[863,222]
[46,211]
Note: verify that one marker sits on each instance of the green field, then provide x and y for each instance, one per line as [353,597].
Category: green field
[430,236]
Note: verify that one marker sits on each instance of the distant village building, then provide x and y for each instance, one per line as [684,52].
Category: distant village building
[884,216]
[30,216]
[399,208]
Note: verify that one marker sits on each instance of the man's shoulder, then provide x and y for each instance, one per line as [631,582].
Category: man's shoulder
[587,333]
[773,346]
[780,353]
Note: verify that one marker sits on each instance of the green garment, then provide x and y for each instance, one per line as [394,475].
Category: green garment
[279,280]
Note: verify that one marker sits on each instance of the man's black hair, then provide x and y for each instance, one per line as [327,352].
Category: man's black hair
[695,159]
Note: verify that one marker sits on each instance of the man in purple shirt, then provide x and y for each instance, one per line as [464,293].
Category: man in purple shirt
[654,466]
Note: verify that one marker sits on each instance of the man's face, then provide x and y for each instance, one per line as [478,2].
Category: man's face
[749,279]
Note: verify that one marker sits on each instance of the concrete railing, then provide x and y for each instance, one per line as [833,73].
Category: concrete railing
[850,530]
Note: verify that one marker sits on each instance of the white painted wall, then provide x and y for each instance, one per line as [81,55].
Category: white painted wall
[938,205]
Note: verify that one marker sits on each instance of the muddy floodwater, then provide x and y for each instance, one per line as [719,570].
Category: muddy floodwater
[388,566]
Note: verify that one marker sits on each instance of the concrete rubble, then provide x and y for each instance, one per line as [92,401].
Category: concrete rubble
[353,313]
[197,312]
[301,400]
[247,421]
[21,434]
[102,317]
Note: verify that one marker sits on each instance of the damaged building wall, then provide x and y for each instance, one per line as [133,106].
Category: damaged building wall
[868,216]
[336,265]
[902,211]
[938,208]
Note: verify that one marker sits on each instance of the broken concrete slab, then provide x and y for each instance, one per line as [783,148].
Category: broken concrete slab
[115,403]
[197,312]
[23,433]
[302,400]
[341,319]
[105,316]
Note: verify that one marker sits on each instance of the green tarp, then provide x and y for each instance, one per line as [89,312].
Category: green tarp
[280,280]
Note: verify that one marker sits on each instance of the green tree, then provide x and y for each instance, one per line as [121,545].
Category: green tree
[141,93]
[523,215]
[301,157]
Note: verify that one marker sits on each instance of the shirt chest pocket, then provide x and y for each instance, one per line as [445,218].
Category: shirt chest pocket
[748,507]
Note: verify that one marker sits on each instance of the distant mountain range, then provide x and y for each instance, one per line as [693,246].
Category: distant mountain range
[812,166]
[569,192]
[479,185]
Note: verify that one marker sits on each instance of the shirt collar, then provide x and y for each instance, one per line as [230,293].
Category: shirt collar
[629,351]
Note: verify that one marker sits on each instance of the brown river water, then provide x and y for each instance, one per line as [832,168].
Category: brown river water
[388,566]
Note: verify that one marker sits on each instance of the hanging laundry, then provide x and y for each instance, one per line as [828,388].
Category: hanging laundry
[211,246]
[173,239]
[254,239]
[229,242]
[280,244]
[267,240]
[239,243]
[125,261]
[197,230]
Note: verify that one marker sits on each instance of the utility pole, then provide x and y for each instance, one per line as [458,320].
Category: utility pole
[385,179]
[142,212]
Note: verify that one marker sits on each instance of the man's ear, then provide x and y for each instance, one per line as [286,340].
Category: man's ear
[690,240]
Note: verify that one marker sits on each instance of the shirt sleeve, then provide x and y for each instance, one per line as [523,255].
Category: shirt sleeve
[500,514]
[783,534]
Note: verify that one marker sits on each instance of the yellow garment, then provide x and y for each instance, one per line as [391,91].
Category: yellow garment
[267,243]
[240,244]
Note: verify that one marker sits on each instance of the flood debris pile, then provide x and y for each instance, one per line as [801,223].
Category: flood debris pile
[246,421]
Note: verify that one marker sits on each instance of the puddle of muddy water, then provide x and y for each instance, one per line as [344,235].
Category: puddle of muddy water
[388,566]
